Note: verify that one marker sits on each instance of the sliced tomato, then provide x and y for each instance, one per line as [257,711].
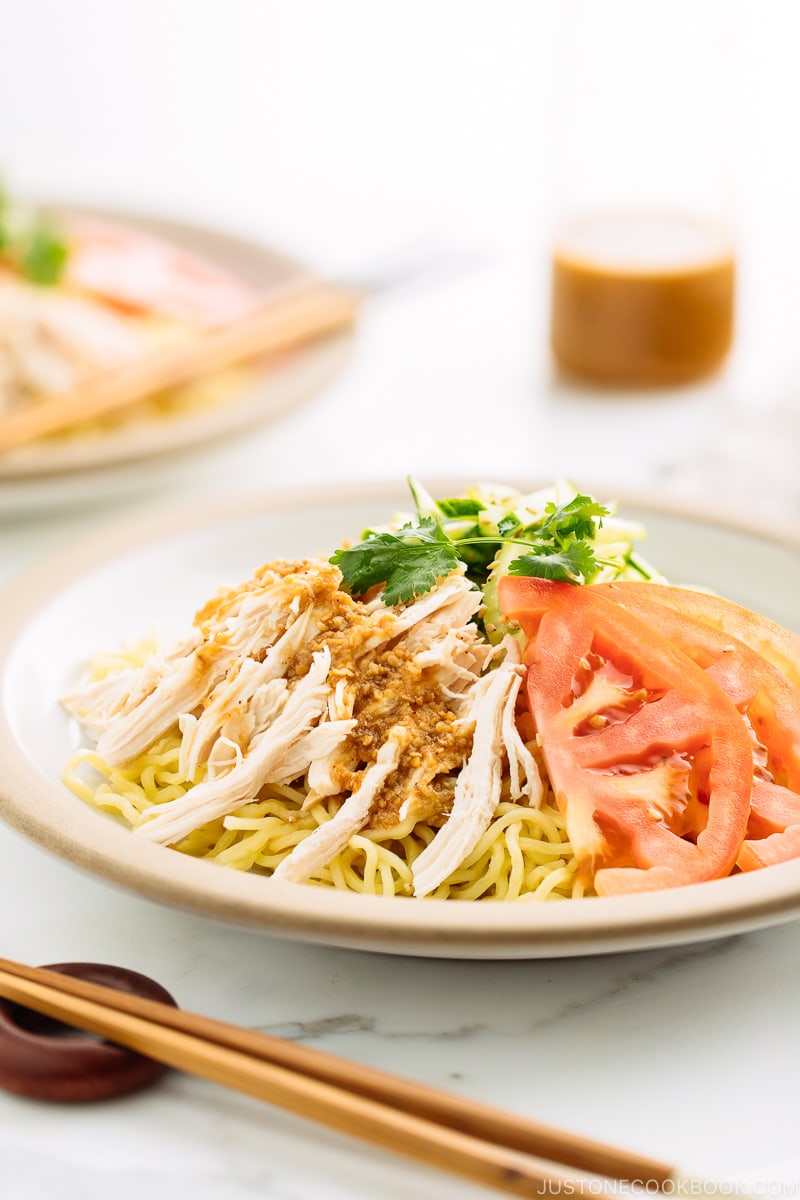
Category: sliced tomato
[761,692]
[773,831]
[774,643]
[649,759]
[141,273]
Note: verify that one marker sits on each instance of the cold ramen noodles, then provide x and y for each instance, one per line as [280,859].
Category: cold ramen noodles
[493,696]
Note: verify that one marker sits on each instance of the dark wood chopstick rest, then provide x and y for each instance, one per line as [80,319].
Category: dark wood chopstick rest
[44,1059]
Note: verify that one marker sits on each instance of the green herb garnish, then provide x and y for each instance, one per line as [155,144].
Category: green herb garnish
[31,244]
[410,561]
[575,563]
[580,517]
[45,256]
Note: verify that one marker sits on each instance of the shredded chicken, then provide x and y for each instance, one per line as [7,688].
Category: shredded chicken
[122,293]
[401,713]
[50,340]
[328,839]
[479,784]
[295,713]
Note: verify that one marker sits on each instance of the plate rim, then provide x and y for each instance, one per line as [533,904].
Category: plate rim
[427,927]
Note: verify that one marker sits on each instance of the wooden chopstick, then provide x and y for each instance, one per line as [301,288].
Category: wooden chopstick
[299,313]
[498,1149]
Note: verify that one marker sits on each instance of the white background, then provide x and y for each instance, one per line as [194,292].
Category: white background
[335,129]
[360,135]
[354,133]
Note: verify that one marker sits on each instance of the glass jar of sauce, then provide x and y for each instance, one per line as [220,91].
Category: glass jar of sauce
[642,298]
[642,258]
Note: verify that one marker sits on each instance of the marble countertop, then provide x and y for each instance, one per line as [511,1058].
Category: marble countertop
[689,1055]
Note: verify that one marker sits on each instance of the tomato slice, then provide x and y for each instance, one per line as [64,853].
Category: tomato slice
[760,691]
[649,760]
[774,643]
[773,829]
[141,273]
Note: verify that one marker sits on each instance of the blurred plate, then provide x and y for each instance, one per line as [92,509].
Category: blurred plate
[106,459]
[116,586]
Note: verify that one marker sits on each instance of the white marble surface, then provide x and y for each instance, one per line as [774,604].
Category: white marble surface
[689,1055]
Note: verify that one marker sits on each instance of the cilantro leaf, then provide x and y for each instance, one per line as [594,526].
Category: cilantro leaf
[573,563]
[408,563]
[368,563]
[579,517]
[418,573]
[45,256]
[31,243]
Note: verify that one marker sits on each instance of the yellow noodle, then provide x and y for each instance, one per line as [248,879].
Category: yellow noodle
[524,854]
[133,655]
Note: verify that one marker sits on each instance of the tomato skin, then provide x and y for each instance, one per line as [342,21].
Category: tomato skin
[138,272]
[762,694]
[777,645]
[678,763]
[767,852]
[773,809]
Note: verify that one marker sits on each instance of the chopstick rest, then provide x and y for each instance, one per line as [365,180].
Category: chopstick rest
[498,1149]
[38,1060]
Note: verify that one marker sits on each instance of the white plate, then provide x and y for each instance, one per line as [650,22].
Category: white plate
[115,586]
[49,471]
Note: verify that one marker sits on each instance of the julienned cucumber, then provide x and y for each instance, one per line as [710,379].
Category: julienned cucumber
[494,626]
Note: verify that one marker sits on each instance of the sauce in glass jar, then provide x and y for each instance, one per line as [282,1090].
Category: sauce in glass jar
[642,299]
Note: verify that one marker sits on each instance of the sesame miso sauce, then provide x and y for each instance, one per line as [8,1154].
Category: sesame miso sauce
[642,299]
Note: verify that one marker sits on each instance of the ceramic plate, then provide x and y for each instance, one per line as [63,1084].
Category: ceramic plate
[44,472]
[117,586]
